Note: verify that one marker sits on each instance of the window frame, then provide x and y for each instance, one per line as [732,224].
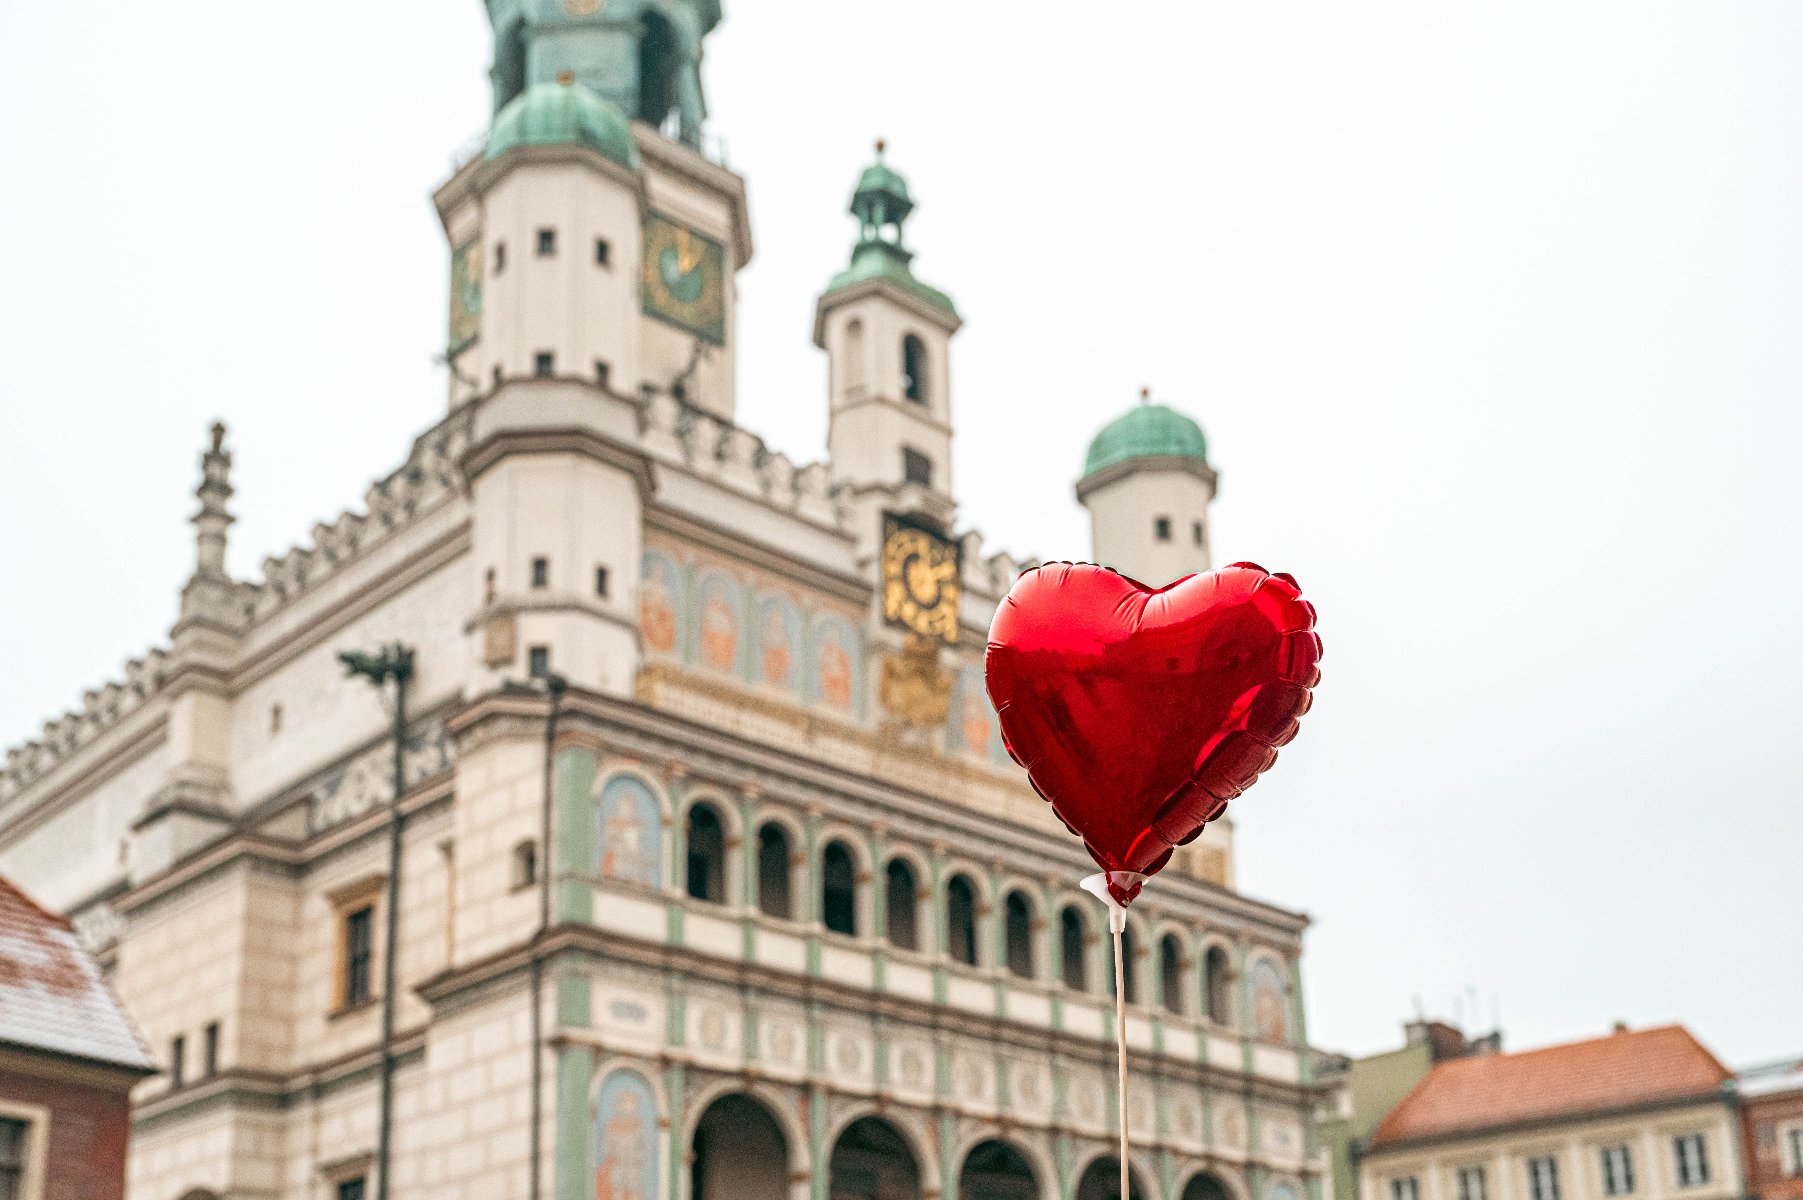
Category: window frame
[1405,1187]
[1610,1157]
[1551,1189]
[975,961]
[1790,1142]
[854,899]
[1161,529]
[1463,1177]
[365,894]
[544,364]
[545,243]
[716,886]
[917,467]
[209,1050]
[1683,1174]
[915,873]
[34,1145]
[1065,967]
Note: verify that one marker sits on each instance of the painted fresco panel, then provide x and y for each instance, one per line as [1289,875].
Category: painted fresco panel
[720,616]
[631,832]
[833,677]
[625,1138]
[1270,1005]
[660,602]
[779,643]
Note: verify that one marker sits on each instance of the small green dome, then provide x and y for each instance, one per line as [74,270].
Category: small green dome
[563,114]
[1146,431]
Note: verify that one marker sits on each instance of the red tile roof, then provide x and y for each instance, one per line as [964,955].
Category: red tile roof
[1622,1070]
[52,996]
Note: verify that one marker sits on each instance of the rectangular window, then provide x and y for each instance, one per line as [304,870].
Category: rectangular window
[1195,532]
[1693,1160]
[178,1067]
[916,467]
[547,243]
[541,572]
[1793,1141]
[500,257]
[544,365]
[603,253]
[603,373]
[1471,1183]
[1405,1187]
[209,1051]
[1543,1178]
[1161,528]
[350,1189]
[14,1138]
[538,661]
[601,581]
[359,952]
[1618,1171]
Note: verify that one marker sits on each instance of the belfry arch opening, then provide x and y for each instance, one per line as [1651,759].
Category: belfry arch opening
[659,59]
[1205,1187]
[1102,1181]
[995,1170]
[739,1153]
[870,1161]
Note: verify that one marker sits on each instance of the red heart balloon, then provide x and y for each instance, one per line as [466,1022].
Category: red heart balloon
[1140,712]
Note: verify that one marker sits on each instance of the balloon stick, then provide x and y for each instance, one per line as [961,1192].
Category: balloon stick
[1097,885]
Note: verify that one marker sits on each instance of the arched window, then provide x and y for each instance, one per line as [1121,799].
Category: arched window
[1074,942]
[659,57]
[707,855]
[1020,935]
[738,1153]
[855,370]
[839,889]
[773,872]
[1170,971]
[525,865]
[961,920]
[901,900]
[914,369]
[1216,985]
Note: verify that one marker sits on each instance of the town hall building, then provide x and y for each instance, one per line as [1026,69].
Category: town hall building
[609,807]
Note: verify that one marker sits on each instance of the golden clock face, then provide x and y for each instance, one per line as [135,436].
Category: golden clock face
[683,278]
[920,580]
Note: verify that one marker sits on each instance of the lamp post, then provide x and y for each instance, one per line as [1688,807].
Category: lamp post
[393,662]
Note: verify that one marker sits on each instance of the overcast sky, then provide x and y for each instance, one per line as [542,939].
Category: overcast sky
[1490,312]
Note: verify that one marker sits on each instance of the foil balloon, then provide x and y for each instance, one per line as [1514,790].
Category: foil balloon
[1140,712]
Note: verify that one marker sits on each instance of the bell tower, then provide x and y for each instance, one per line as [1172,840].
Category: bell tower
[1147,485]
[642,56]
[887,337]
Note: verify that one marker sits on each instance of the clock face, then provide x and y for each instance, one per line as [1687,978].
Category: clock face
[920,579]
[683,278]
[466,298]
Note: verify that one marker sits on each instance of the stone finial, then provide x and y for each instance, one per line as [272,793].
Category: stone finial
[213,519]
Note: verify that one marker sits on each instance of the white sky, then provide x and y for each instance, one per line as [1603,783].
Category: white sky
[1489,310]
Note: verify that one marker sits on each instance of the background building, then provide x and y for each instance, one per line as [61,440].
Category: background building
[68,1061]
[1644,1114]
[708,875]
[1771,1099]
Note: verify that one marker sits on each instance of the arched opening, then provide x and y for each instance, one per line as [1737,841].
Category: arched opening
[706,840]
[525,865]
[659,57]
[1102,1181]
[739,1153]
[854,370]
[1217,985]
[914,369]
[1020,935]
[1073,940]
[870,1161]
[774,896]
[901,900]
[1170,973]
[839,889]
[995,1170]
[1205,1187]
[961,920]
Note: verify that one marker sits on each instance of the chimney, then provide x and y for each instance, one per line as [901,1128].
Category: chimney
[1620,1027]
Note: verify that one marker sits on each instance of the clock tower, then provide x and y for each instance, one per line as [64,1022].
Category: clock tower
[887,337]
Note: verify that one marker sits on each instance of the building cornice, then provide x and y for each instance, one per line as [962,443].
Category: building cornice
[888,290]
[573,439]
[685,527]
[1403,1146]
[1091,484]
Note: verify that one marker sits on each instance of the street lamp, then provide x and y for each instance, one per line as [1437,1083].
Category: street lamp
[393,662]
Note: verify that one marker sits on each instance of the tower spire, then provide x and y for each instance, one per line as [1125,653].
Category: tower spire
[214,518]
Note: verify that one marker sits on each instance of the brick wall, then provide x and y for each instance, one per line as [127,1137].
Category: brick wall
[89,1127]
[1764,1120]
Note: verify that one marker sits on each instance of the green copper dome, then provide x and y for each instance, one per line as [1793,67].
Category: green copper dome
[1147,431]
[563,114]
[881,204]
